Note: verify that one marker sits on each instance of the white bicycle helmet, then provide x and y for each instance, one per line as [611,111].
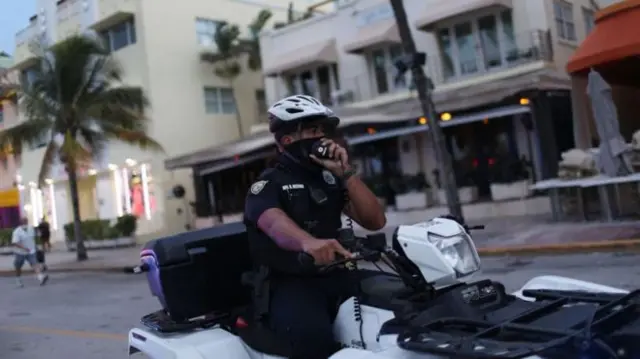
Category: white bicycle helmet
[293,110]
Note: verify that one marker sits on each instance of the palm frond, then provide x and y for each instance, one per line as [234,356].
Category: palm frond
[121,106]
[228,70]
[30,132]
[72,153]
[132,137]
[254,61]
[227,38]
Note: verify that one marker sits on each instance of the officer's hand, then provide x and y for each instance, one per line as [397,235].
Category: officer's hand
[339,159]
[324,251]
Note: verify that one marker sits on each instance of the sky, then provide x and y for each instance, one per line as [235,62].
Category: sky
[14,16]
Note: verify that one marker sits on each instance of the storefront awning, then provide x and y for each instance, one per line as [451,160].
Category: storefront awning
[319,53]
[615,37]
[455,121]
[229,155]
[450,8]
[382,33]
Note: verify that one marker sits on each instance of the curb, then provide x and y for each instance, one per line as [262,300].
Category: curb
[105,269]
[612,245]
[547,249]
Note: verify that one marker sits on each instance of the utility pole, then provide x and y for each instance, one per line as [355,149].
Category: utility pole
[426,103]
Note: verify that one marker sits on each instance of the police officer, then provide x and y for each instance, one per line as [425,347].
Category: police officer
[296,207]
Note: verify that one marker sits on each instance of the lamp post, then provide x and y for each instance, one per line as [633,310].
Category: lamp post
[414,61]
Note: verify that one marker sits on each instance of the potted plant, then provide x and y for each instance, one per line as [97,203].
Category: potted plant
[510,179]
[467,190]
[411,192]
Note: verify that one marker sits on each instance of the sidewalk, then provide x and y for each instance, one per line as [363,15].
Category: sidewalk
[502,236]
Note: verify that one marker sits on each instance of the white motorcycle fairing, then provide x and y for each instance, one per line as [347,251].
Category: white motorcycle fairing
[217,343]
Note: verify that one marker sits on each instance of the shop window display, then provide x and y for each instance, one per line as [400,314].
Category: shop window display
[140,201]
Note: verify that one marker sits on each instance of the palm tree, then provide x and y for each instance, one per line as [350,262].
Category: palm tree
[254,61]
[77,103]
[293,16]
[227,39]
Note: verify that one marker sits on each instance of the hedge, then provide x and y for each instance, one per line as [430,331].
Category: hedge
[5,237]
[99,229]
[95,229]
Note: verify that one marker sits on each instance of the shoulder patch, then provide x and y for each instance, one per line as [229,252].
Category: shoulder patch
[258,186]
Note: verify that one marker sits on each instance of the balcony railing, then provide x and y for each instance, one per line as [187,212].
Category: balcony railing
[522,49]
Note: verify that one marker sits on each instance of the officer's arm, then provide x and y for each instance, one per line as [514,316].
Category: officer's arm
[263,208]
[363,206]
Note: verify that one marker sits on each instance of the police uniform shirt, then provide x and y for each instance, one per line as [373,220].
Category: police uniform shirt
[314,200]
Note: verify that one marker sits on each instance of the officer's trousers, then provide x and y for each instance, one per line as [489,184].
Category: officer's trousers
[303,310]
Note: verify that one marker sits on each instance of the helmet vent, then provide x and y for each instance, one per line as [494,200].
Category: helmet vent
[294,110]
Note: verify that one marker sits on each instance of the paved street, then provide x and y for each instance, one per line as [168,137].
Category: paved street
[88,315]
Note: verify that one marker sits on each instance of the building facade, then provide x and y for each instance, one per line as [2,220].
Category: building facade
[499,86]
[163,47]
[10,207]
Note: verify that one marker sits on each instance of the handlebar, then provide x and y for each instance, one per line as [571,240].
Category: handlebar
[366,248]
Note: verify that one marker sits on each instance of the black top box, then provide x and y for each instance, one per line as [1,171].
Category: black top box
[199,272]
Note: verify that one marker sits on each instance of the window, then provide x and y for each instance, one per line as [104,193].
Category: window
[28,76]
[490,44]
[466,44]
[261,103]
[383,69]
[320,82]
[446,52]
[563,13]
[589,20]
[481,45]
[206,31]
[120,35]
[219,100]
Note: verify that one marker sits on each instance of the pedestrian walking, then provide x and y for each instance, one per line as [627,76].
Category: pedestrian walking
[24,243]
[44,232]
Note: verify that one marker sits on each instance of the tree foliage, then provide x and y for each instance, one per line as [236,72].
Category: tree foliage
[75,104]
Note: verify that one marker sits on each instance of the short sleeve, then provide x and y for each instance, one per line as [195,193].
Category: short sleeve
[263,195]
[15,237]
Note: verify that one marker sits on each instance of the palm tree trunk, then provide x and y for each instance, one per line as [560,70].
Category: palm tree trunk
[238,117]
[428,109]
[81,250]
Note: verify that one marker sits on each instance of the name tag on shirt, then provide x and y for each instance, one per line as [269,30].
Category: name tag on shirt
[292,186]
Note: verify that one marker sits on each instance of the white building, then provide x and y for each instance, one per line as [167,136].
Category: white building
[163,46]
[498,67]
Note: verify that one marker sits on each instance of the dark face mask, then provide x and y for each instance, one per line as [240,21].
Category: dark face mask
[301,149]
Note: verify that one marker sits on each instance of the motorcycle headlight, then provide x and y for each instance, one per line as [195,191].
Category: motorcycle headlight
[459,252]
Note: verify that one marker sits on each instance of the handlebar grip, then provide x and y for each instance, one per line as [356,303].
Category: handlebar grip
[306,260]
